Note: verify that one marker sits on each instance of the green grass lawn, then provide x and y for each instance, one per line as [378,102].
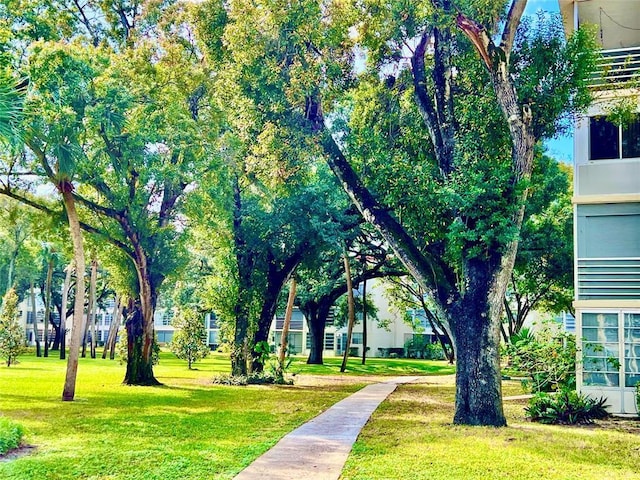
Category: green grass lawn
[373,366]
[191,429]
[187,429]
[410,436]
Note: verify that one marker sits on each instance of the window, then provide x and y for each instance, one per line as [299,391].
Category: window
[611,349]
[607,138]
[213,338]
[601,351]
[213,320]
[164,337]
[356,338]
[167,316]
[631,349]
[108,317]
[329,341]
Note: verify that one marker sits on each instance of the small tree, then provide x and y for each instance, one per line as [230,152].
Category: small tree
[11,334]
[190,340]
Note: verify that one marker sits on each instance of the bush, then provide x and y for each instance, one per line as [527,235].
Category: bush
[261,378]
[10,435]
[566,407]
[638,398]
[548,358]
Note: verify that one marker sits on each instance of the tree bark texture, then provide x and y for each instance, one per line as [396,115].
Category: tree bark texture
[69,389]
[316,315]
[139,367]
[476,332]
[284,340]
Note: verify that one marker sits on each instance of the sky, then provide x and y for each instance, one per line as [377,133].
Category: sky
[560,148]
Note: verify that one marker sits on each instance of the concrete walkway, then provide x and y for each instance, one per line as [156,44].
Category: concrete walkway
[318,449]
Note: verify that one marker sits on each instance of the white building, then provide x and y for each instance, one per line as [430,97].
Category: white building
[607,209]
[381,342]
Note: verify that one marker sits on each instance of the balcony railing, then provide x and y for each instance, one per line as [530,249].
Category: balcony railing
[617,68]
[609,278]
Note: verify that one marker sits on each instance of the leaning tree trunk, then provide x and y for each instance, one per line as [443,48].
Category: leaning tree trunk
[475,324]
[114,339]
[284,340]
[69,390]
[352,312]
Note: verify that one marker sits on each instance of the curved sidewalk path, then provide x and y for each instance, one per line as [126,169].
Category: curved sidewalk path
[318,449]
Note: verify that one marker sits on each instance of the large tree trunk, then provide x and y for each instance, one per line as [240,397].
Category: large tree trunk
[69,389]
[475,323]
[140,331]
[316,333]
[317,321]
[277,277]
[267,314]
[139,365]
[47,306]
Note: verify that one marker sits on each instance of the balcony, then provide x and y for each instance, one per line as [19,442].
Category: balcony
[619,68]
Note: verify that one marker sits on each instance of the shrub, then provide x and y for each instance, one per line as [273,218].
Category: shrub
[565,407]
[261,378]
[548,358]
[638,398]
[10,435]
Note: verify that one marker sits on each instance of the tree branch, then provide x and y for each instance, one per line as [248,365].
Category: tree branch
[511,26]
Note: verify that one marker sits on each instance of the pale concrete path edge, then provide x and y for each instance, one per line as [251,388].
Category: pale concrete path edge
[319,449]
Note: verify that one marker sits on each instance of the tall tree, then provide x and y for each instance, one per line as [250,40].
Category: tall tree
[480,104]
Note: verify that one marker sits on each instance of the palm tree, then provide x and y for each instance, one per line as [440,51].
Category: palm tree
[10,109]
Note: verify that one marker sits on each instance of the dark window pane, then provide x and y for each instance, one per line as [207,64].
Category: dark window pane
[631,138]
[603,139]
